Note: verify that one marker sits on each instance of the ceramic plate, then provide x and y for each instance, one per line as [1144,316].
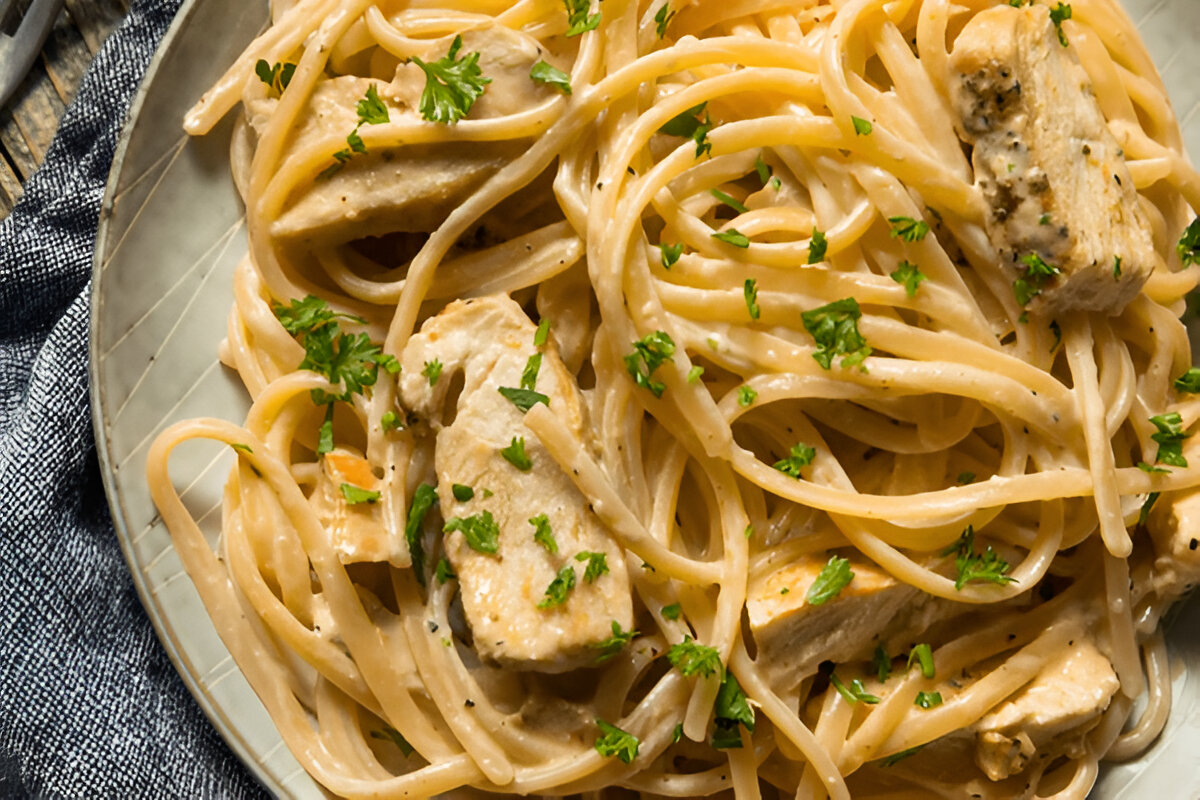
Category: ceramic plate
[170,235]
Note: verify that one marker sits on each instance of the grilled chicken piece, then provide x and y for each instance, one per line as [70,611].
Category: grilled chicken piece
[412,188]
[1048,165]
[1174,527]
[356,528]
[489,341]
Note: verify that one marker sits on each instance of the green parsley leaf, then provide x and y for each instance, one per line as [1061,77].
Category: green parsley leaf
[524,399]
[543,332]
[749,532]
[559,588]
[649,353]
[356,494]
[390,421]
[597,564]
[854,692]
[1037,274]
[614,644]
[355,141]
[672,611]
[577,17]
[746,395]
[799,457]
[1189,244]
[732,236]
[670,254]
[542,533]
[300,317]
[443,572]
[1044,219]
[694,374]
[532,367]
[452,85]
[729,200]
[551,75]
[966,477]
[1144,514]
[461,492]
[763,169]
[750,292]
[834,327]
[277,77]
[662,18]
[1057,14]
[908,276]
[244,448]
[834,577]
[986,568]
[1116,267]
[515,454]
[928,699]
[922,654]
[882,663]
[423,499]
[1170,439]
[862,127]
[1151,469]
[677,734]
[895,758]
[688,125]
[325,435]
[731,708]
[817,247]
[1189,381]
[908,229]
[615,742]
[691,657]
[371,110]
[390,734]
[432,370]
[480,530]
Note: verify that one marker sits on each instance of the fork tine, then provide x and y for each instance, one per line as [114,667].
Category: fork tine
[18,52]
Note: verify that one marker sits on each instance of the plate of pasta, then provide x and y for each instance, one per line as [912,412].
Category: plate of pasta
[768,398]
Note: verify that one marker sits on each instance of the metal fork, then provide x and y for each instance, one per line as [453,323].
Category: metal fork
[18,52]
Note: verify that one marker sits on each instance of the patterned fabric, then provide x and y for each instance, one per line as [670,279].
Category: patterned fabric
[89,704]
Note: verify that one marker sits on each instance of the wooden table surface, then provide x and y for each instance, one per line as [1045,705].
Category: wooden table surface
[28,122]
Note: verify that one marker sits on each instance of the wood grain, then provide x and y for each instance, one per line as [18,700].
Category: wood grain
[28,122]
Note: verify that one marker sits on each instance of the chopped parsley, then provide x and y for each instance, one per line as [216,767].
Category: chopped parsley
[559,589]
[649,353]
[244,448]
[371,111]
[325,433]
[862,127]
[835,576]
[524,399]
[689,125]
[732,708]
[515,454]
[986,568]
[1151,469]
[443,571]
[423,499]
[356,494]
[672,611]
[853,693]
[390,421]
[1170,438]
[662,18]
[670,254]
[746,395]
[691,657]
[461,492]
[896,758]
[1037,274]
[578,20]
[480,530]
[763,169]
[817,247]
[882,663]
[908,276]
[277,77]
[543,534]
[1116,267]
[597,564]
[542,72]
[542,333]
[1189,381]
[729,200]
[614,644]
[928,699]
[834,327]
[694,374]
[432,370]
[1144,513]
[1060,12]
[390,734]
[922,655]
[452,85]
[732,236]
[1189,244]
[615,742]
[750,292]
[799,457]
[532,367]
[966,477]
[908,229]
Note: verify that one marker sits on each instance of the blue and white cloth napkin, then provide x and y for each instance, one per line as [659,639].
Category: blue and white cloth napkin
[89,704]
